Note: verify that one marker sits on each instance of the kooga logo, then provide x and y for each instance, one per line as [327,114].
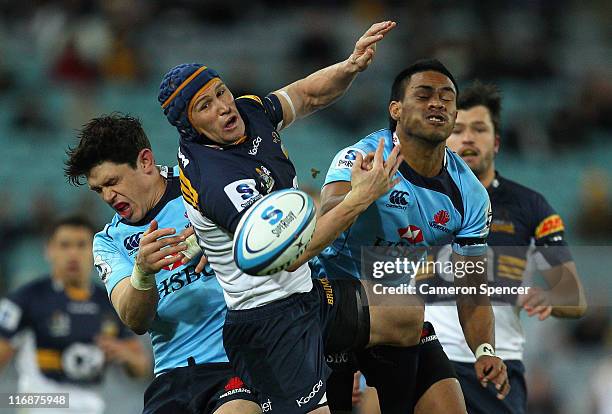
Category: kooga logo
[315,390]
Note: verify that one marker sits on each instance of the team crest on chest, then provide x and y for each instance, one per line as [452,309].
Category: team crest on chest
[59,324]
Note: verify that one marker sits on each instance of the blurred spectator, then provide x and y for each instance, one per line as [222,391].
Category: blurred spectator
[594,329]
[31,116]
[602,385]
[595,210]
[541,397]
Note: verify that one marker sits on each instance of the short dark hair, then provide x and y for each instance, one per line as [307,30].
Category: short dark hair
[487,95]
[72,221]
[117,138]
[398,89]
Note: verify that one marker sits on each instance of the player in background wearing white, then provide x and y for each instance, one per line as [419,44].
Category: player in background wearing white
[63,328]
[524,230]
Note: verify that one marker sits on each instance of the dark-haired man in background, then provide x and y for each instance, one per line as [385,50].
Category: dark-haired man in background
[524,227]
[64,328]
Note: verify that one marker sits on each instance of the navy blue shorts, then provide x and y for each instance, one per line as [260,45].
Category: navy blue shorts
[200,389]
[433,366]
[279,348]
[483,400]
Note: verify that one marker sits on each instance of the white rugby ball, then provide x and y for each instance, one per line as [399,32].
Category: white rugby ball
[274,232]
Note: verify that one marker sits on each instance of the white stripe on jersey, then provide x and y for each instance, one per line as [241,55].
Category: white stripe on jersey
[241,290]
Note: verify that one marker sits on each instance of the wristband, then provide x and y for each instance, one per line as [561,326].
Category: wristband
[193,248]
[485,349]
[141,280]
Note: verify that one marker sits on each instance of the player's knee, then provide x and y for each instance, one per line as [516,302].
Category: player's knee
[409,325]
[403,325]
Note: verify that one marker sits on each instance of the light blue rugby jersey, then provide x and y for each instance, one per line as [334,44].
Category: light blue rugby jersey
[191,308]
[452,207]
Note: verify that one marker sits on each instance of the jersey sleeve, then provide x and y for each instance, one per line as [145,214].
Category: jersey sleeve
[549,233]
[271,106]
[14,315]
[111,264]
[340,168]
[471,239]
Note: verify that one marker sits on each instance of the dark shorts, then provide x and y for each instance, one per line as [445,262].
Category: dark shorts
[484,400]
[278,349]
[433,366]
[200,389]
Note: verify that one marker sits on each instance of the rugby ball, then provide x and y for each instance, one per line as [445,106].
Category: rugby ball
[274,232]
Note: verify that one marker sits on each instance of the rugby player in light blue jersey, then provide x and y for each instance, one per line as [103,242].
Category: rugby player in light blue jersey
[144,263]
[437,201]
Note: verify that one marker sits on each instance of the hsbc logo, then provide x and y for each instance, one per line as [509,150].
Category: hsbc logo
[398,199]
[412,234]
[132,242]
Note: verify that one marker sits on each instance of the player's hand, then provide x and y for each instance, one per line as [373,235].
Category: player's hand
[365,48]
[157,250]
[113,348]
[203,259]
[536,302]
[371,182]
[492,369]
[357,394]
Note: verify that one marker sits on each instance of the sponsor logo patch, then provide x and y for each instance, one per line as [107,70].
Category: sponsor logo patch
[551,224]
[347,158]
[413,234]
[103,268]
[315,389]
[10,315]
[242,193]
[398,199]
[439,221]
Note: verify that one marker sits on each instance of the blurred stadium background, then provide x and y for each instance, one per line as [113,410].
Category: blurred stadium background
[64,62]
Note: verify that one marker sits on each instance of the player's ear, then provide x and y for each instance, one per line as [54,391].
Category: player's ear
[395,109]
[146,160]
[496,145]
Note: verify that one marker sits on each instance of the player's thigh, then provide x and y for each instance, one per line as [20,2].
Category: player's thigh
[393,321]
[239,407]
[436,373]
[444,396]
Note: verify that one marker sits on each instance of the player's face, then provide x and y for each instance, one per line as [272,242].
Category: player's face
[214,114]
[127,190]
[69,251]
[428,109]
[474,139]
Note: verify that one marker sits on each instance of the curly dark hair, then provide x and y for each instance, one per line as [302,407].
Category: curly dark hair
[117,138]
[487,95]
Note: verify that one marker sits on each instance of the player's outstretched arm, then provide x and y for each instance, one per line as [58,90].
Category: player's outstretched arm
[368,184]
[323,87]
[564,299]
[135,298]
